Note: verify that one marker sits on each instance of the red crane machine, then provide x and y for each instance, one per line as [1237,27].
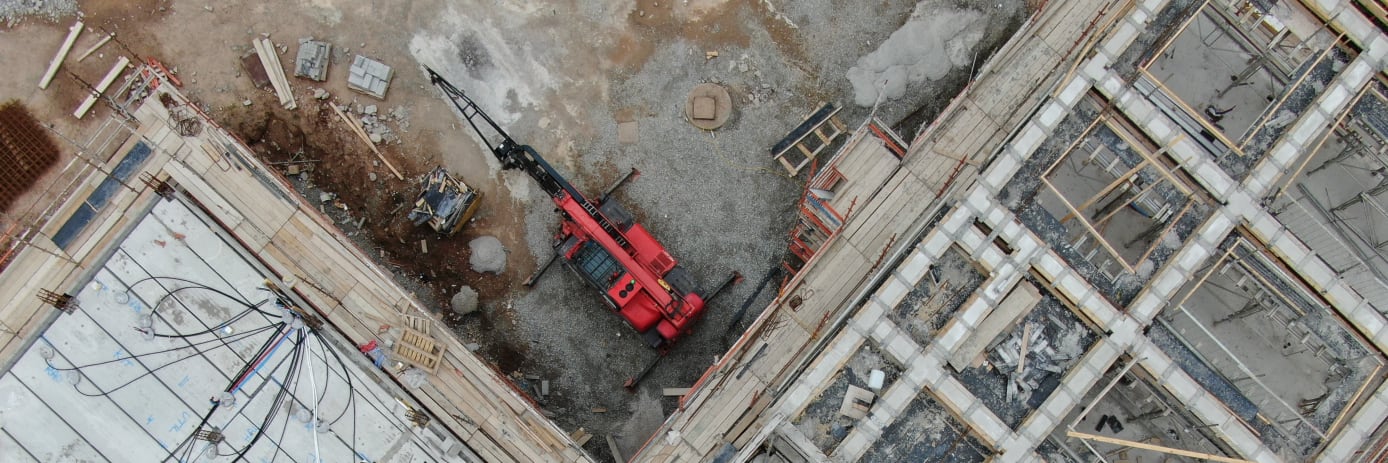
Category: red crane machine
[601,242]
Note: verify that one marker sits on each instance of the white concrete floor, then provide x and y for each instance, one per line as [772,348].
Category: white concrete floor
[136,397]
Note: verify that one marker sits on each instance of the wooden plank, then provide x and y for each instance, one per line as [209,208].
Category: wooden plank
[674,391]
[356,128]
[1154,448]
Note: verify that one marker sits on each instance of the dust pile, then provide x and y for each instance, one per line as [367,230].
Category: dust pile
[926,48]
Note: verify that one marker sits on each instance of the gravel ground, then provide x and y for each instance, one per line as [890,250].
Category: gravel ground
[12,12]
[716,200]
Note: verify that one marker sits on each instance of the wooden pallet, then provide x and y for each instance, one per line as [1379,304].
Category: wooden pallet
[418,349]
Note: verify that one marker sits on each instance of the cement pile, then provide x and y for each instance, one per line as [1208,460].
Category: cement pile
[923,49]
[488,255]
[465,301]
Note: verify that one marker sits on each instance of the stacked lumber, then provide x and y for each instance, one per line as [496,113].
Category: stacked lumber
[271,60]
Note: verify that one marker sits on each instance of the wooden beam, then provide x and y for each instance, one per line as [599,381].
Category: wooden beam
[57,62]
[101,87]
[1154,448]
[674,391]
[616,452]
[356,128]
[1104,192]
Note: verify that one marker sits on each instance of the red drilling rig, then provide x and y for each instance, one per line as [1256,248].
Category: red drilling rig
[602,243]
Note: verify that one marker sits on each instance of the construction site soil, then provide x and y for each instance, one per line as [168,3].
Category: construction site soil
[561,77]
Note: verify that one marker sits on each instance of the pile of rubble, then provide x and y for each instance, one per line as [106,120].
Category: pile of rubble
[1032,354]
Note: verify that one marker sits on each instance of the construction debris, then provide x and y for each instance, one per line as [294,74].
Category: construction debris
[856,402]
[580,437]
[444,202]
[57,62]
[369,76]
[313,59]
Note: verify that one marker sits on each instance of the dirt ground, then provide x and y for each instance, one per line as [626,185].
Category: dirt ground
[560,76]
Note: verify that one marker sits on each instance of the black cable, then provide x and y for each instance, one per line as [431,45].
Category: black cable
[293,386]
[351,398]
[275,405]
[132,380]
[165,351]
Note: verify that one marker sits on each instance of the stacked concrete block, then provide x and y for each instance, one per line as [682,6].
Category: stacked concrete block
[369,76]
[312,60]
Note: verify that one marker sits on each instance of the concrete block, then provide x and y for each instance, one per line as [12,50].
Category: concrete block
[1153,5]
[1376,51]
[979,200]
[1264,226]
[1111,85]
[972,317]
[893,292]
[1160,130]
[882,332]
[1183,151]
[1012,231]
[1167,282]
[1146,307]
[952,392]
[1096,68]
[1140,110]
[1072,285]
[952,337]
[958,220]
[987,424]
[1282,154]
[1357,27]
[1139,15]
[863,325]
[872,311]
[1082,376]
[1037,426]
[1341,296]
[1103,354]
[913,270]
[1000,172]
[936,244]
[1051,115]
[1370,322]
[1072,92]
[1120,38]
[1315,270]
[1191,257]
[1030,138]
[1181,385]
[990,255]
[1050,266]
[1373,413]
[1339,95]
[997,215]
[902,348]
[1057,405]
[1312,123]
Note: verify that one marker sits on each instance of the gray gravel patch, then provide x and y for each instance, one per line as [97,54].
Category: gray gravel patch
[12,12]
